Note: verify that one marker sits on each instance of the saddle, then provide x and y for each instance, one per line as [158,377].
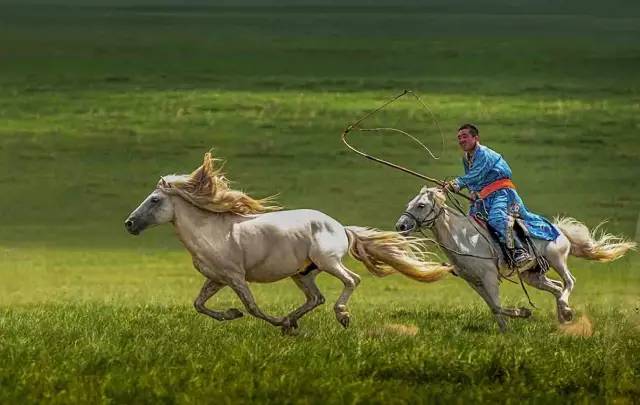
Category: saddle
[518,237]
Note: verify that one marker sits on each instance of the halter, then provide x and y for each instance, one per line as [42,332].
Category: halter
[428,222]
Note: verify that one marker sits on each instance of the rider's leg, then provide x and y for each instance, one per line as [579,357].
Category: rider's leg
[500,220]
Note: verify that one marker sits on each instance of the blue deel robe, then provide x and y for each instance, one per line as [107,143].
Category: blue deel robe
[486,167]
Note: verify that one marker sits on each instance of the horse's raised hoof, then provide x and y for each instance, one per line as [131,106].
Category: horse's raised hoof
[344,318]
[342,315]
[232,313]
[525,312]
[289,326]
[567,314]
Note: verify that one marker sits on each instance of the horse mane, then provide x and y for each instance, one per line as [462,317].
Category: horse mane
[207,188]
[440,198]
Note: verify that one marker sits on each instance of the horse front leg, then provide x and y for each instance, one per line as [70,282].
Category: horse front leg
[208,290]
[485,283]
[241,288]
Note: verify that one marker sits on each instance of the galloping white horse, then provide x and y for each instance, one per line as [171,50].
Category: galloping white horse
[234,239]
[477,258]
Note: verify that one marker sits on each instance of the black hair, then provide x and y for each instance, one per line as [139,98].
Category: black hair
[472,128]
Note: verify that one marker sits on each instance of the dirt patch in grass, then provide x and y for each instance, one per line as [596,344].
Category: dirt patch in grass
[395,329]
[582,327]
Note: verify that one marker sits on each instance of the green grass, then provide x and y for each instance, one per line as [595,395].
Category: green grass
[97,102]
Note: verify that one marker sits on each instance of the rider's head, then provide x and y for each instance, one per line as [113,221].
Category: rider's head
[468,137]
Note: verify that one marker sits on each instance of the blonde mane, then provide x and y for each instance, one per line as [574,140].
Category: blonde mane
[207,188]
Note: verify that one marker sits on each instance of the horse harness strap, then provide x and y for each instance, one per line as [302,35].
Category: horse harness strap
[428,222]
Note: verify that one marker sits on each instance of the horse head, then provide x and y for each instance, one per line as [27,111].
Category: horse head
[422,210]
[156,209]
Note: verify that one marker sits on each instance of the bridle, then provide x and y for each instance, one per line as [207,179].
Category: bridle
[430,222]
[426,221]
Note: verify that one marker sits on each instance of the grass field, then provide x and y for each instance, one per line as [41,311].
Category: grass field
[99,99]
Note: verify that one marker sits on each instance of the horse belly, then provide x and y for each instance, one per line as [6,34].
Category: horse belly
[274,269]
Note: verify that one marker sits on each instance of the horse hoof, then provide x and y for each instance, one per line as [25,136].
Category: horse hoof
[233,313]
[290,322]
[567,315]
[289,326]
[525,312]
[344,320]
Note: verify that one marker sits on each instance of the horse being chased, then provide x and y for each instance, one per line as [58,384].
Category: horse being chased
[478,258]
[235,239]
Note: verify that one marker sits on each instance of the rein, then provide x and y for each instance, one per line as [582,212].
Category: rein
[429,223]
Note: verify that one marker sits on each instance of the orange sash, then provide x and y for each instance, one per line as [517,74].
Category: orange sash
[495,186]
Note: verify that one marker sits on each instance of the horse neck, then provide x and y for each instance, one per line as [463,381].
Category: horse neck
[197,228]
[444,227]
[451,228]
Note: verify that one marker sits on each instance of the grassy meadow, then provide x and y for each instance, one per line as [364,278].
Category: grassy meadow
[99,99]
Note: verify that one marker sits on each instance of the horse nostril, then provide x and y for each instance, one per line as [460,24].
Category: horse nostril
[128,223]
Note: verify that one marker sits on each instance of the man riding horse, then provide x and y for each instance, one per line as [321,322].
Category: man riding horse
[488,177]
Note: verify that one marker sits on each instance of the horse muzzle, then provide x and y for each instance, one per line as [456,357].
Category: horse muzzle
[405,225]
[133,226]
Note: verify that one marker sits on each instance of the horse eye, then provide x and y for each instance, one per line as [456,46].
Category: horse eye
[421,205]
[155,199]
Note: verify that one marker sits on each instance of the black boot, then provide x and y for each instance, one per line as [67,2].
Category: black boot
[520,258]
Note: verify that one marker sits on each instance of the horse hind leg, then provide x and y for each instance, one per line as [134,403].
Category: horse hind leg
[542,282]
[350,280]
[307,283]
[569,282]
[558,260]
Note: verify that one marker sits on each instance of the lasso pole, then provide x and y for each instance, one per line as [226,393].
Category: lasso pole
[386,162]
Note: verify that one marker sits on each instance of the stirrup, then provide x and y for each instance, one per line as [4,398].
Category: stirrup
[523,260]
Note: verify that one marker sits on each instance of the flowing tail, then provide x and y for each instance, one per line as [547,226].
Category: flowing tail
[384,253]
[592,245]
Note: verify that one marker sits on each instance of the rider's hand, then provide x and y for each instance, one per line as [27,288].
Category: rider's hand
[452,186]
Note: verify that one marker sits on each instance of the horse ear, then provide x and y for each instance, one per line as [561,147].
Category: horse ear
[440,195]
[201,175]
[163,183]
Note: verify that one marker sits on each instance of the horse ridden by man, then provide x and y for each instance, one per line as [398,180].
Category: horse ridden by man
[235,239]
[527,243]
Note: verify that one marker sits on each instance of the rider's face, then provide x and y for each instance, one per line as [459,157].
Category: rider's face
[466,140]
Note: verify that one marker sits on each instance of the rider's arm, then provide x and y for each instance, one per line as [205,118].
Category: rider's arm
[482,163]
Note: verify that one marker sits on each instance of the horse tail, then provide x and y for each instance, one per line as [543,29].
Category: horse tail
[595,244]
[384,253]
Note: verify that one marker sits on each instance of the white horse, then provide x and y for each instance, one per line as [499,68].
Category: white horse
[478,259]
[234,240]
